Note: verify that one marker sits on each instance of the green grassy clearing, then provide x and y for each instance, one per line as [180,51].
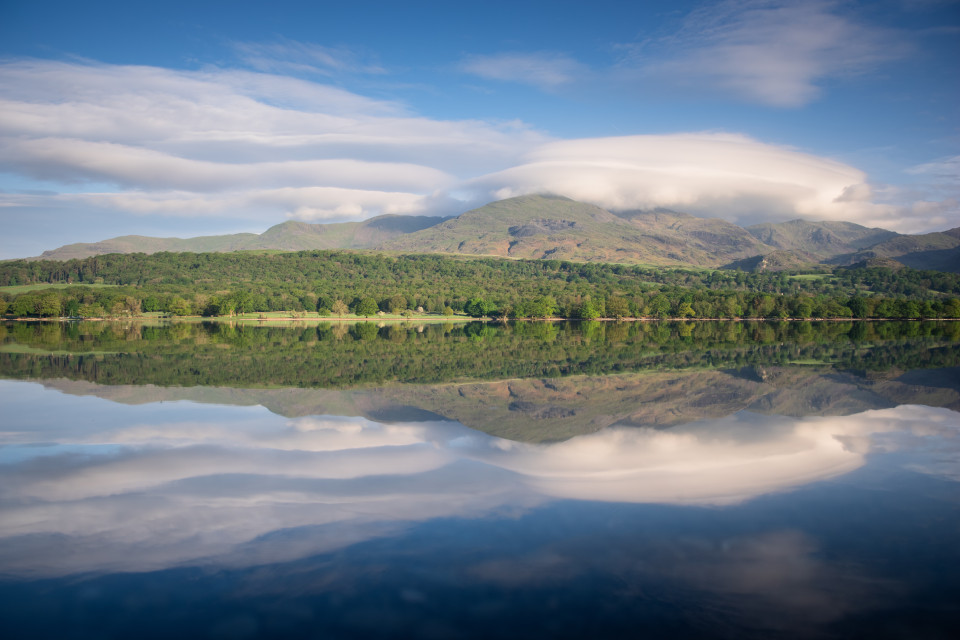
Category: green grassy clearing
[809,276]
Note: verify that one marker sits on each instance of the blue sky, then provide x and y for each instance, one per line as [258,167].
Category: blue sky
[182,119]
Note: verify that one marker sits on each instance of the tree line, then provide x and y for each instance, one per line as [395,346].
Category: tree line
[338,283]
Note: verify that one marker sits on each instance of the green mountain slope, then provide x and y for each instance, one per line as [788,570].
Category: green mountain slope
[146,244]
[552,227]
[677,235]
[286,236]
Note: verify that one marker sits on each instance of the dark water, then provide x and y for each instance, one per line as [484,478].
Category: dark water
[683,480]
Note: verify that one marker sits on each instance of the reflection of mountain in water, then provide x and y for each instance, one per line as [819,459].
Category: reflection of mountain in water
[137,488]
[536,410]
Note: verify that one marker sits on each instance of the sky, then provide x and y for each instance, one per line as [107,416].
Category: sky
[195,118]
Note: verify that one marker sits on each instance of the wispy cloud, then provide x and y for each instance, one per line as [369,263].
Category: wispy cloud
[291,56]
[543,69]
[774,52]
[232,143]
[946,170]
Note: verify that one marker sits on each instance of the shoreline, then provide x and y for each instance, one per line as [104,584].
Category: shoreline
[443,319]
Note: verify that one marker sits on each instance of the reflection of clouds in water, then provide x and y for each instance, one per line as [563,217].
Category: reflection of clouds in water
[176,492]
[318,433]
[713,462]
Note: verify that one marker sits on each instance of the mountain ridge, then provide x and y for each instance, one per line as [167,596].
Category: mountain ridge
[555,227]
[292,235]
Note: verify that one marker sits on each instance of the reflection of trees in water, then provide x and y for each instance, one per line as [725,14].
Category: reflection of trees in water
[338,354]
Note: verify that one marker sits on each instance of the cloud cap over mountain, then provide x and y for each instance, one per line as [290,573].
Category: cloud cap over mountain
[744,109]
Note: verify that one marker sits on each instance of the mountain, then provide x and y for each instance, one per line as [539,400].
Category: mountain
[819,239]
[554,227]
[939,250]
[286,236]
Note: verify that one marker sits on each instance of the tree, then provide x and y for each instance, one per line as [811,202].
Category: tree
[151,303]
[543,307]
[685,310]
[49,304]
[396,303]
[339,307]
[858,306]
[220,306]
[660,306]
[952,309]
[324,304]
[367,307]
[91,311]
[588,310]
[179,306]
[133,306]
[242,301]
[618,307]
[478,308]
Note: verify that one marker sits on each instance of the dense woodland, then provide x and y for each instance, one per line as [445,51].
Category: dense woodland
[344,355]
[335,283]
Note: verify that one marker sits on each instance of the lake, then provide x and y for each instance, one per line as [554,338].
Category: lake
[568,480]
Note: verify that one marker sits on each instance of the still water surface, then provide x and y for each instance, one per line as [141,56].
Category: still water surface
[714,480]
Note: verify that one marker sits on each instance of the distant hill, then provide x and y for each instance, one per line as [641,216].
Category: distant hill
[146,244]
[554,227]
[939,250]
[286,236]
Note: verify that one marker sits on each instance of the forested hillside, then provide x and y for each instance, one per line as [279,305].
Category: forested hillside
[338,282]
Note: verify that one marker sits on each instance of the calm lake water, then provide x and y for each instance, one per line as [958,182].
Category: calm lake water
[682,480]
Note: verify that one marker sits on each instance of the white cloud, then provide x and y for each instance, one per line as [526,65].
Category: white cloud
[232,143]
[301,203]
[69,160]
[544,70]
[236,116]
[771,52]
[710,174]
[143,141]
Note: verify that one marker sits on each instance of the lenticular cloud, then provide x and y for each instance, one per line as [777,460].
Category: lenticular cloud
[716,174]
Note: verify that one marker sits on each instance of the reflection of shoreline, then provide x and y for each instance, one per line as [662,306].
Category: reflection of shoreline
[357,355]
[312,318]
[180,483]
